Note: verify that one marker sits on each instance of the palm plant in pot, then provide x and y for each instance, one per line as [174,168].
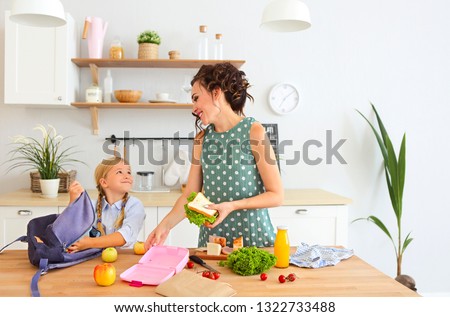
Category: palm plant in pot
[47,156]
[149,42]
[394,168]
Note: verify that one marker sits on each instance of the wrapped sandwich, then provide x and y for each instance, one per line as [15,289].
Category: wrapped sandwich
[196,210]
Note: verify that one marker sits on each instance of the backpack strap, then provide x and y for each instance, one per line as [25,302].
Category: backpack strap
[21,239]
[43,268]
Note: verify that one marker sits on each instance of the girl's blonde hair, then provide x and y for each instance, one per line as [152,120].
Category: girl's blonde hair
[101,171]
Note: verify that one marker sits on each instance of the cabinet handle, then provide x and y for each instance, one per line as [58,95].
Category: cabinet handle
[59,98]
[24,212]
[301,211]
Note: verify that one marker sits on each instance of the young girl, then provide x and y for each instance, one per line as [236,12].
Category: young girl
[233,163]
[119,217]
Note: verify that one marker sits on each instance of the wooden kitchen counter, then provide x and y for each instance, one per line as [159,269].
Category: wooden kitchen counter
[292,197]
[350,278]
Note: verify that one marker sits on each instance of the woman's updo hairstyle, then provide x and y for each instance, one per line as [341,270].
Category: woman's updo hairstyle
[229,79]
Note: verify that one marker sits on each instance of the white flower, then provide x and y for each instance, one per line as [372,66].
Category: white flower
[20,139]
[53,130]
[59,138]
[41,128]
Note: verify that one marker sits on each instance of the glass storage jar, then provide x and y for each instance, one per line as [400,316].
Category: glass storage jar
[94,94]
[145,180]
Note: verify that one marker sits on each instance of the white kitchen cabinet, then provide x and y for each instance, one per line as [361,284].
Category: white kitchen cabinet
[38,67]
[151,221]
[314,216]
[184,234]
[14,221]
[323,225]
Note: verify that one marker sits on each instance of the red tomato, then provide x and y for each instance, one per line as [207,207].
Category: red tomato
[263,276]
[216,275]
[206,273]
[281,278]
[105,274]
[190,264]
[291,277]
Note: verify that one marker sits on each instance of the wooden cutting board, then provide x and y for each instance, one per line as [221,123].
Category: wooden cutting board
[204,256]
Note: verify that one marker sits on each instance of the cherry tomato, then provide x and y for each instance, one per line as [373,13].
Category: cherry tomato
[281,278]
[216,275]
[206,273]
[212,276]
[291,277]
[263,276]
[190,264]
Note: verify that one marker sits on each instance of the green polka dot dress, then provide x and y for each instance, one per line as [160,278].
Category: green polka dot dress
[230,173]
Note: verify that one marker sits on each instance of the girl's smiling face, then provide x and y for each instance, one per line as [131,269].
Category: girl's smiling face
[118,179]
[203,102]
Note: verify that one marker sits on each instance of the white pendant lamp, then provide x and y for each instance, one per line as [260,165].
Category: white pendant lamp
[285,16]
[42,13]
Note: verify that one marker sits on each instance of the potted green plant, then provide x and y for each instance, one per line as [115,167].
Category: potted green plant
[47,156]
[394,168]
[149,42]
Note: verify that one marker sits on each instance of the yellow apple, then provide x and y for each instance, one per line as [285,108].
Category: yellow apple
[105,274]
[109,254]
[139,247]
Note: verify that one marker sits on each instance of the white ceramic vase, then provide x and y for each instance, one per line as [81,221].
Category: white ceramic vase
[49,187]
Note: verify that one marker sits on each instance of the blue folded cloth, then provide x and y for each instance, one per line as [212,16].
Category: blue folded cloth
[317,256]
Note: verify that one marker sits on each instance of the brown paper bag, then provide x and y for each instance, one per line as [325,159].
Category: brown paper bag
[190,284]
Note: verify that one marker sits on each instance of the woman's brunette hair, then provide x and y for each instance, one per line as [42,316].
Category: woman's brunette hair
[230,80]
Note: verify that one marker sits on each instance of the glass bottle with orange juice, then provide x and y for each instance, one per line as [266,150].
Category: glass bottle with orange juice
[282,247]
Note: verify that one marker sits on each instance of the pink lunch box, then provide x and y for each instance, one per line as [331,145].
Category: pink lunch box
[156,266]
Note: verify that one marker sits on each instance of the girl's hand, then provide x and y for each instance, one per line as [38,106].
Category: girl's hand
[75,190]
[80,245]
[224,209]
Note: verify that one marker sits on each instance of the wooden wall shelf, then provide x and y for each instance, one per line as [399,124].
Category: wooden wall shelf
[94,63]
[138,105]
[151,63]
[117,105]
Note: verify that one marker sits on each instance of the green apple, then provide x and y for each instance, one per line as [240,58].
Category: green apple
[109,254]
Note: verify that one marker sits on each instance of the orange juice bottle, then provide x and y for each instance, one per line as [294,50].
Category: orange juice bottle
[282,247]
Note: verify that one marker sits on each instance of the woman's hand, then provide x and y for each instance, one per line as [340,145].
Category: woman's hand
[224,209]
[75,190]
[156,237]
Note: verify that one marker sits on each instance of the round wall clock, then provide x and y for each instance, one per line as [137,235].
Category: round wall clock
[284,98]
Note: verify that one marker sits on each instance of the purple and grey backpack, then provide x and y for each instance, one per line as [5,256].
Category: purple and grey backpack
[49,236]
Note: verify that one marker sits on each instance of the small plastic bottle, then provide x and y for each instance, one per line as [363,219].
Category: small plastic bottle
[203,43]
[218,47]
[116,50]
[108,87]
[282,247]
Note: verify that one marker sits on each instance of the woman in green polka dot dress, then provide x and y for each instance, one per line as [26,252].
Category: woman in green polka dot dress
[233,163]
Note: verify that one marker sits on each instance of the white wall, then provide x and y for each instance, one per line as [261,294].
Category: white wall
[392,53]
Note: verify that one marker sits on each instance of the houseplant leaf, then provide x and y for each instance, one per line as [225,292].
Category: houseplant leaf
[406,242]
[395,170]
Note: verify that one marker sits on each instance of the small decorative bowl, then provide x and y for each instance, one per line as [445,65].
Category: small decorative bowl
[128,95]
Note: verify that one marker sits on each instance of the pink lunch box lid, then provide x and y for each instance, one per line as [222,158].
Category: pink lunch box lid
[157,265]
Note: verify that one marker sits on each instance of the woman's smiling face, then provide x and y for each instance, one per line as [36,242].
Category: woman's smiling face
[203,104]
